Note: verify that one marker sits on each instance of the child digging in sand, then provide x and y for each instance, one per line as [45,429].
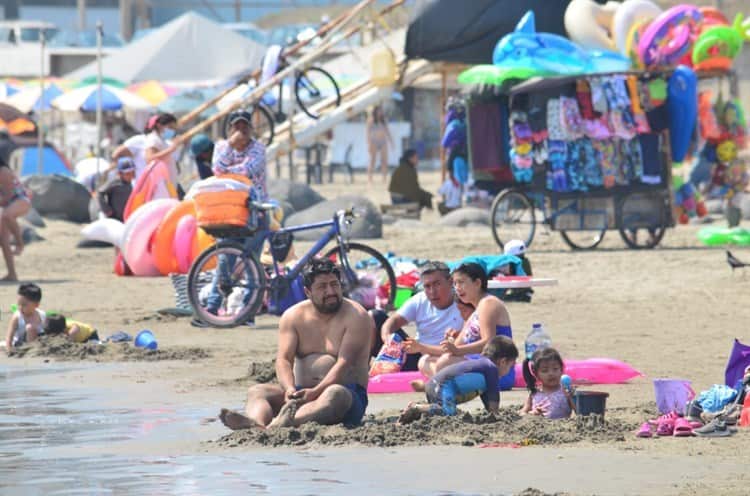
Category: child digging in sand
[461,382]
[547,397]
[78,332]
[28,320]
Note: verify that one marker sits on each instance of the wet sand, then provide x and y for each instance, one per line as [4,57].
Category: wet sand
[670,312]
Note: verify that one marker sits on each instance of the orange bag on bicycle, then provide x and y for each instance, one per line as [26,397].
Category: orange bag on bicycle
[221,202]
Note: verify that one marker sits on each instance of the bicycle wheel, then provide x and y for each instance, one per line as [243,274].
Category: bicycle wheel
[262,121]
[641,225]
[512,217]
[237,295]
[314,85]
[583,240]
[367,276]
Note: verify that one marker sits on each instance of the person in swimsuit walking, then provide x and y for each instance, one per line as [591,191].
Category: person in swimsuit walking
[14,203]
[378,140]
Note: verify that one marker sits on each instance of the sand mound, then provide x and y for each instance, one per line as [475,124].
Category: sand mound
[61,349]
[466,429]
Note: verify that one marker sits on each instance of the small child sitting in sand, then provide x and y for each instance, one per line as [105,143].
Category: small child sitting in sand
[78,332]
[448,387]
[27,321]
[545,368]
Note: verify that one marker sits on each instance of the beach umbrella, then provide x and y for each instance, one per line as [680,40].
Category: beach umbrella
[32,98]
[152,91]
[105,80]
[7,90]
[84,99]
[187,101]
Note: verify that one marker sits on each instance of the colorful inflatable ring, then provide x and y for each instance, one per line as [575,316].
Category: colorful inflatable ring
[631,45]
[139,229]
[713,17]
[630,13]
[717,41]
[162,248]
[668,37]
[182,245]
[201,242]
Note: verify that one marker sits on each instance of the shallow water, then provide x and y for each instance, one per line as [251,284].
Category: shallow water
[68,442]
[81,441]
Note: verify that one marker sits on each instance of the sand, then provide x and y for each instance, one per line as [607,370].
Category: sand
[670,312]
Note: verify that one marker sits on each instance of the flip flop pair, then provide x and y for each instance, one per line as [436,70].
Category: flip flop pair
[678,427]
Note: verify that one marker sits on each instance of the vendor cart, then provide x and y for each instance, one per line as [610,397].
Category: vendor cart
[639,206]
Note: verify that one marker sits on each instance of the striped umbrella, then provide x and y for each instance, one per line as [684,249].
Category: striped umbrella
[32,98]
[152,91]
[84,99]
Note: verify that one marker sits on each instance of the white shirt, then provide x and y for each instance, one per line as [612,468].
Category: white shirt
[153,140]
[452,194]
[136,145]
[431,322]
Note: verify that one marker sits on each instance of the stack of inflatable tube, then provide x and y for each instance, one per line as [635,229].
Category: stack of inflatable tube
[590,371]
[698,37]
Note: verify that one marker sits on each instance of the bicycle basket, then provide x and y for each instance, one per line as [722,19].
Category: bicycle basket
[221,207]
[281,243]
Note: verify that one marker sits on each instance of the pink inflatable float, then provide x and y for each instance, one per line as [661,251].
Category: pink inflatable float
[139,229]
[183,242]
[590,371]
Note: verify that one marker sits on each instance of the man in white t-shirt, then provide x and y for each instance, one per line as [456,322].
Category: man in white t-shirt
[433,310]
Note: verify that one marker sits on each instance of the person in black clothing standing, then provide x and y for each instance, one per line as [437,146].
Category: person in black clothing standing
[114,194]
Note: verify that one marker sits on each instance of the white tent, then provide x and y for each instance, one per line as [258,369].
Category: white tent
[189,48]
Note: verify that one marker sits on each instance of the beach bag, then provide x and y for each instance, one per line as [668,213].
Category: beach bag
[739,359]
[283,296]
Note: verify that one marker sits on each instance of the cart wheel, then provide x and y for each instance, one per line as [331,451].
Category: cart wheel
[583,240]
[512,217]
[639,229]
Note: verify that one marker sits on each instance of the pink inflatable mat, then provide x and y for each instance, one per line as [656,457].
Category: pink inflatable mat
[589,371]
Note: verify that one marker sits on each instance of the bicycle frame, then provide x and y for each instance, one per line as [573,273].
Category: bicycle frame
[333,232]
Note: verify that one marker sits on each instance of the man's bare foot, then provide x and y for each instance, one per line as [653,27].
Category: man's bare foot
[285,418]
[417,385]
[236,421]
[10,278]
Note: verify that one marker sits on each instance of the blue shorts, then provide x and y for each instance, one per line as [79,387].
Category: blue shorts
[355,413]
[353,416]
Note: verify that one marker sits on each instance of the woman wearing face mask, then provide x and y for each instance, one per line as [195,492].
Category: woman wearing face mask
[162,142]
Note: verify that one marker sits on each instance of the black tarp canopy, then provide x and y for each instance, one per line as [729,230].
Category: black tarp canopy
[466,31]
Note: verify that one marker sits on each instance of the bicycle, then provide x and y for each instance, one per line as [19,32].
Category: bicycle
[311,86]
[245,278]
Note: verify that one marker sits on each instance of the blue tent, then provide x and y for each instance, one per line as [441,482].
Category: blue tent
[52,161]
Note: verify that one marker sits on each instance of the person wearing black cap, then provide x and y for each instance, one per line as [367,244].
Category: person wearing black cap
[114,194]
[242,154]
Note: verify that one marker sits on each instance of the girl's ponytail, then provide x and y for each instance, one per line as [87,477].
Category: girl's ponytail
[528,375]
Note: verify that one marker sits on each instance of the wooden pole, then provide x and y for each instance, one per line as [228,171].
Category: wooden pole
[443,100]
[327,30]
[261,89]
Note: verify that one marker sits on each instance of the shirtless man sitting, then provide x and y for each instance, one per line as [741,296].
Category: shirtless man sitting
[322,361]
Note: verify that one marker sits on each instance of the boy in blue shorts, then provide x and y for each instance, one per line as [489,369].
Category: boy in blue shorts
[463,381]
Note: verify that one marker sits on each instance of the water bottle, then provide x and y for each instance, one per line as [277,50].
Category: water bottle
[536,340]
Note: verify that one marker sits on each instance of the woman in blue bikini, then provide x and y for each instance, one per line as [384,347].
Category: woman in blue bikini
[489,318]
[14,203]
